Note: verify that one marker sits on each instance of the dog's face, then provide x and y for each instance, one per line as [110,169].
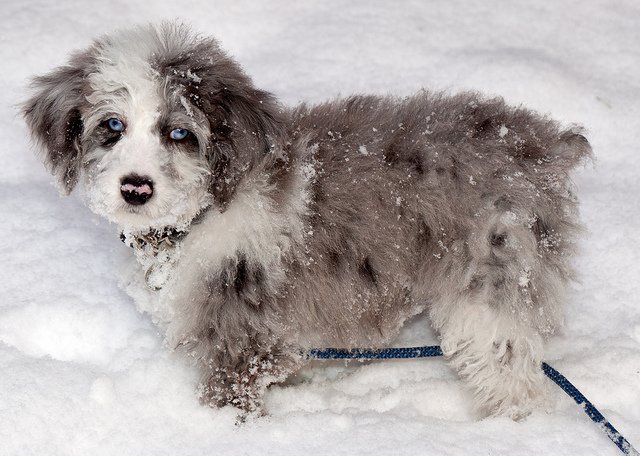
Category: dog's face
[156,124]
[144,145]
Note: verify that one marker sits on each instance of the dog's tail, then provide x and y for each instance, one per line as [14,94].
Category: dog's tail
[571,149]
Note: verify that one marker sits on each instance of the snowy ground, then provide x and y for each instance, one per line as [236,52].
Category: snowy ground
[81,372]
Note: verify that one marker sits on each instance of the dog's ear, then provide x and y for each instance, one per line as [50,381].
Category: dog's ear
[247,133]
[252,123]
[245,122]
[53,116]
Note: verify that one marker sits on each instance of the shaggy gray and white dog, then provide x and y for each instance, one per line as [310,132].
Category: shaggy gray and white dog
[261,230]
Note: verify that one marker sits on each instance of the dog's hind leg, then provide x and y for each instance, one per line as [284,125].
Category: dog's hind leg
[497,300]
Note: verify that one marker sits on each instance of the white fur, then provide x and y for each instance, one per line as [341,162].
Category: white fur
[250,224]
[128,88]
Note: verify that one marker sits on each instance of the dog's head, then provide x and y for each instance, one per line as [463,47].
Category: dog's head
[156,123]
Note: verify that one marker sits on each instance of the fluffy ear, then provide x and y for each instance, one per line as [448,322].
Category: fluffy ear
[245,122]
[53,116]
[253,117]
[248,134]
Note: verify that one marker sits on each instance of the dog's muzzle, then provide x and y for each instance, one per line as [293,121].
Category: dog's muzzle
[136,190]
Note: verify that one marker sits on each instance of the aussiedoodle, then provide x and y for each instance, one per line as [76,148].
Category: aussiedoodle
[261,230]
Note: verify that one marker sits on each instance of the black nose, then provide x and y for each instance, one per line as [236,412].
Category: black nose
[136,189]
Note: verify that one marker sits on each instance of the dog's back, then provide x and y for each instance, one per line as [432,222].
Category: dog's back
[402,185]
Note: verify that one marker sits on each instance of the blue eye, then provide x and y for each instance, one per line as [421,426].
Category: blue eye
[115,125]
[178,134]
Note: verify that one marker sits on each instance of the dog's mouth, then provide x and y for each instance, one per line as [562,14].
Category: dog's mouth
[132,209]
[139,202]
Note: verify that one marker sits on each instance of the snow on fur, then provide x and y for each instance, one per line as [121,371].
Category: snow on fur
[85,373]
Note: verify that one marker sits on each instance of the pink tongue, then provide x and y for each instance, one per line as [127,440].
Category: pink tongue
[132,188]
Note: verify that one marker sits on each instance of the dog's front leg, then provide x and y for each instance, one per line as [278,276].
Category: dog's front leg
[231,321]
[240,376]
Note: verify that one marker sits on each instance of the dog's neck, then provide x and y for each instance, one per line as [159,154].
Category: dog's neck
[157,250]
[153,240]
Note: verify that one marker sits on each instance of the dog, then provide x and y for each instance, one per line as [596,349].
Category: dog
[260,231]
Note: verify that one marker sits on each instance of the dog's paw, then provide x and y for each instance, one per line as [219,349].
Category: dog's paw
[518,385]
[515,397]
[505,376]
[235,389]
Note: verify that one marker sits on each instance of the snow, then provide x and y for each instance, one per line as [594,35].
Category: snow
[84,373]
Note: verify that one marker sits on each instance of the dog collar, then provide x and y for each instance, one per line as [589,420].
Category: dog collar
[154,240]
[156,251]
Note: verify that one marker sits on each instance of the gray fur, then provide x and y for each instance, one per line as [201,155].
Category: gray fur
[455,204]
[54,117]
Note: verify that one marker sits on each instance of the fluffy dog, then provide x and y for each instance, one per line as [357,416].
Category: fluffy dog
[262,230]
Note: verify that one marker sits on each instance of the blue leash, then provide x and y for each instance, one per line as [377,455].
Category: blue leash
[435,350]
